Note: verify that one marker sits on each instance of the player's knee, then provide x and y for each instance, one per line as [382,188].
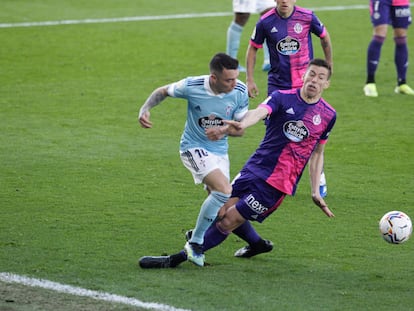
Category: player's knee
[230,220]
[227,189]
[241,19]
[224,224]
[224,188]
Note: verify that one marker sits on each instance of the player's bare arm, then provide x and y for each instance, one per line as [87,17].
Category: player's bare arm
[327,49]
[250,63]
[236,128]
[251,118]
[315,169]
[154,99]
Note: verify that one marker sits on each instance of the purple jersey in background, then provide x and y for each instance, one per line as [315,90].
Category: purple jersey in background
[293,130]
[290,45]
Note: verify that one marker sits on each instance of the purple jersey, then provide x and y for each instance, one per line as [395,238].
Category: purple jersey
[290,45]
[293,130]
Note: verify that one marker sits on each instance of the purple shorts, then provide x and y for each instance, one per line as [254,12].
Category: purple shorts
[257,198]
[382,12]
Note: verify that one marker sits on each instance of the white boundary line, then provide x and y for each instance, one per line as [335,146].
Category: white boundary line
[82,292]
[159,17]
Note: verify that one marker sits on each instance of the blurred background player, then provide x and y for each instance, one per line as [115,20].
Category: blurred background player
[397,14]
[242,10]
[287,30]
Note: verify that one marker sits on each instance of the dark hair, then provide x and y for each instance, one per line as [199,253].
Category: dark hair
[221,61]
[321,63]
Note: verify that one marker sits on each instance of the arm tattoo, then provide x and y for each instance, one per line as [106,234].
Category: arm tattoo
[154,99]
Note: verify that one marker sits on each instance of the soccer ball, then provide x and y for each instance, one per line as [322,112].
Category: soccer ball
[395,227]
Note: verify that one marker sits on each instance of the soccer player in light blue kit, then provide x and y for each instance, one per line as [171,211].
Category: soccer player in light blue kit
[242,10]
[298,127]
[211,99]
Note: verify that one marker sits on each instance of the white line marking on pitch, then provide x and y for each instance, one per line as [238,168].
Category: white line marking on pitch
[159,17]
[82,292]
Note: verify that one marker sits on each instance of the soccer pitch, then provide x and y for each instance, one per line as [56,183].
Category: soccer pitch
[85,191]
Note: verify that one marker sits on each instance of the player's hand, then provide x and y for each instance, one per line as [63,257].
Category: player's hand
[222,211]
[233,125]
[144,119]
[252,89]
[319,201]
[216,133]
[234,128]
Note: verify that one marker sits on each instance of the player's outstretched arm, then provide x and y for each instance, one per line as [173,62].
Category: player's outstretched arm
[251,118]
[154,99]
[217,133]
[236,128]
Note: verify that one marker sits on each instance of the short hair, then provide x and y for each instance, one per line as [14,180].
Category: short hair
[222,61]
[321,63]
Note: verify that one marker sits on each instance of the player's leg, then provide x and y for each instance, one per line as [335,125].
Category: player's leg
[401,19]
[234,33]
[213,237]
[380,16]
[373,58]
[247,233]
[256,244]
[213,171]
[242,11]
[257,201]
[220,191]
[262,7]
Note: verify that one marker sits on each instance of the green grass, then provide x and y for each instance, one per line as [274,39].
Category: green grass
[85,191]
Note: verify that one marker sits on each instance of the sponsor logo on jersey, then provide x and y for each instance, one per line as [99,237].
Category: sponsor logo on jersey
[288,46]
[210,121]
[296,131]
[255,205]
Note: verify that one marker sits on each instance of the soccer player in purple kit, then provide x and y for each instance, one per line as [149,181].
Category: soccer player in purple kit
[287,30]
[299,123]
[397,14]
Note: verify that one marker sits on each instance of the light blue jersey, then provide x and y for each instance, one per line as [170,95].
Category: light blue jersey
[206,109]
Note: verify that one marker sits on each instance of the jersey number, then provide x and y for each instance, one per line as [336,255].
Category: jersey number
[201,153]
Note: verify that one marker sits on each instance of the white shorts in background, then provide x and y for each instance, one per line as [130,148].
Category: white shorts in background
[252,6]
[200,163]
